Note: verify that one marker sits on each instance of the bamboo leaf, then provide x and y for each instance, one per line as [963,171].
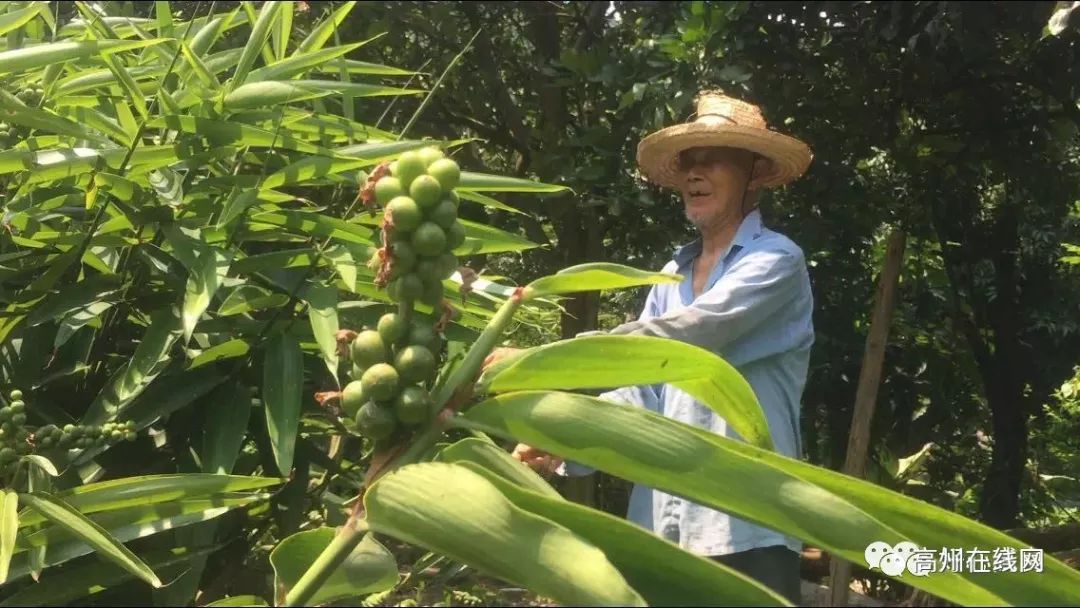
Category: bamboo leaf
[268,14]
[840,514]
[452,510]
[226,425]
[369,567]
[34,57]
[202,284]
[16,112]
[353,66]
[65,516]
[595,277]
[270,93]
[325,29]
[283,378]
[355,89]
[223,133]
[299,63]
[42,463]
[662,572]
[316,224]
[13,20]
[322,313]
[487,201]
[585,363]
[248,298]
[495,460]
[9,528]
[282,31]
[501,183]
[237,347]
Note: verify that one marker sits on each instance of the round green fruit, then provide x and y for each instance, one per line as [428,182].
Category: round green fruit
[404,213]
[7,455]
[409,288]
[409,167]
[430,154]
[387,189]
[455,236]
[130,436]
[428,270]
[18,407]
[433,293]
[426,190]
[380,381]
[448,265]
[415,364]
[5,414]
[18,419]
[16,395]
[413,405]
[444,214]
[422,334]
[447,172]
[368,349]
[375,422]
[429,239]
[352,397]
[392,327]
[403,255]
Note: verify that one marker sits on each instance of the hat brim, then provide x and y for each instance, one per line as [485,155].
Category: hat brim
[657,154]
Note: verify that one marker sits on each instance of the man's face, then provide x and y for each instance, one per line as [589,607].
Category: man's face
[713,183]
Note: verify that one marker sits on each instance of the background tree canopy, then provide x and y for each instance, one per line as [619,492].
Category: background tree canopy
[955,122]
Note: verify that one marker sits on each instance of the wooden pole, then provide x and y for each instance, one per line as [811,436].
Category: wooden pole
[866,392]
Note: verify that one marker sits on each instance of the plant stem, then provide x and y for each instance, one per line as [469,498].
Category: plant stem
[328,561]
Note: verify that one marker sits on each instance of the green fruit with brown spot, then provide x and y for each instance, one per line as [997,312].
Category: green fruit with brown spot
[380,381]
[368,349]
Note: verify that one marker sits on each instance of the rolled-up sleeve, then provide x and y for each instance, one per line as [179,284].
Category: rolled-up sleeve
[753,291]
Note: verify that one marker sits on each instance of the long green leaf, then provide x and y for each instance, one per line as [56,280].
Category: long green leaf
[231,349]
[15,19]
[355,89]
[149,490]
[353,66]
[347,158]
[369,568]
[202,284]
[452,510]
[585,363]
[226,425]
[482,238]
[299,63]
[497,461]
[125,525]
[594,277]
[146,363]
[325,29]
[487,201]
[220,132]
[270,93]
[282,31]
[502,183]
[283,379]
[840,514]
[240,600]
[16,112]
[94,577]
[249,298]
[316,224]
[322,313]
[170,393]
[9,528]
[259,33]
[662,572]
[65,516]
[34,57]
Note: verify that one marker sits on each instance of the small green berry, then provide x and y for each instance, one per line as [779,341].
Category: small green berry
[7,455]
[130,436]
[18,419]
[16,394]
[18,407]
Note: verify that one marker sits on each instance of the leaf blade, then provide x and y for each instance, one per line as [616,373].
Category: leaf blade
[282,385]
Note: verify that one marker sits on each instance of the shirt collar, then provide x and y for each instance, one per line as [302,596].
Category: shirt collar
[750,229]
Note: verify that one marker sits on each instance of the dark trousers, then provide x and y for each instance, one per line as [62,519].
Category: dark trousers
[775,567]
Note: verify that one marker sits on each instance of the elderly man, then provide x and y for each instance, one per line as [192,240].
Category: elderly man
[745,296]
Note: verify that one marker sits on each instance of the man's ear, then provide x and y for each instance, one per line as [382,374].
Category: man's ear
[761,168]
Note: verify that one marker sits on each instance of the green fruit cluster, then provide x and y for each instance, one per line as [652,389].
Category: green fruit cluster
[31,96]
[17,439]
[394,364]
[422,228]
[9,135]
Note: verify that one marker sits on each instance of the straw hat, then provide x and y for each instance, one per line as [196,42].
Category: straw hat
[729,122]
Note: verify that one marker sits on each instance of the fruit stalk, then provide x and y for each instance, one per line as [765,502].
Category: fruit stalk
[328,561]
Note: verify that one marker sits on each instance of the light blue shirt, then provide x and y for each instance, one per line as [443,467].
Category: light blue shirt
[756,313]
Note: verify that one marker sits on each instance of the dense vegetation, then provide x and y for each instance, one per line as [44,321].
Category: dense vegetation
[210,324]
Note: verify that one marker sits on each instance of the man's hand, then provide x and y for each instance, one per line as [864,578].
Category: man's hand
[540,461]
